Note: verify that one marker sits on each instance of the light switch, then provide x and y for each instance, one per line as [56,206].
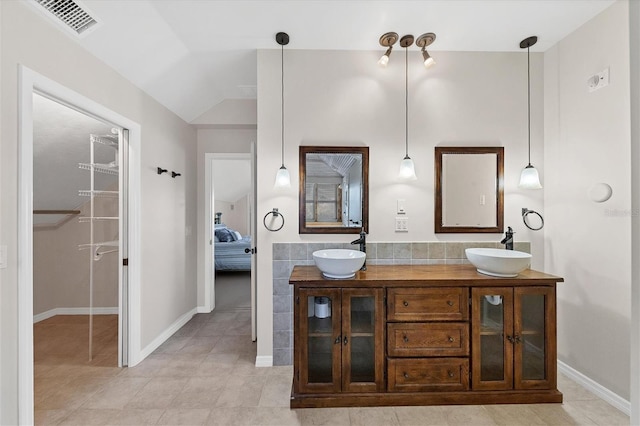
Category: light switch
[3,257]
[402,224]
[401,209]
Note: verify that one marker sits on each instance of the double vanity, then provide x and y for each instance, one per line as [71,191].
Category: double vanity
[423,335]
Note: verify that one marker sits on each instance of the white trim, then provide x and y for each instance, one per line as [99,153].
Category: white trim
[264,361]
[596,388]
[203,310]
[209,276]
[74,311]
[168,332]
[29,82]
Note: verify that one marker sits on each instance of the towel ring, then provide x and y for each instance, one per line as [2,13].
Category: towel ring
[525,213]
[275,214]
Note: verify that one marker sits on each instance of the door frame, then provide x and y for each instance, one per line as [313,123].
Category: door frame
[209,247]
[30,82]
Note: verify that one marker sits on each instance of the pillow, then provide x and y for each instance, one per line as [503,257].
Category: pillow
[238,235]
[225,235]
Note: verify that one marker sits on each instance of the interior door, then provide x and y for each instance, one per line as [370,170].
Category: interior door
[254,243]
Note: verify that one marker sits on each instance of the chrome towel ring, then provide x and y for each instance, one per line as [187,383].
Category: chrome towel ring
[526,212]
[275,214]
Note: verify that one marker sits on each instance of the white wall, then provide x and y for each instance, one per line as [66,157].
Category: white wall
[236,139]
[234,214]
[587,141]
[344,98]
[168,265]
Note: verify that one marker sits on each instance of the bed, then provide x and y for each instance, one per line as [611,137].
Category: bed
[229,250]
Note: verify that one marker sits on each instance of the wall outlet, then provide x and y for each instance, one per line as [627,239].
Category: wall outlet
[3,257]
[402,224]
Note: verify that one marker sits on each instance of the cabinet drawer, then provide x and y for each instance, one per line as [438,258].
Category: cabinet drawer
[427,339]
[428,304]
[430,374]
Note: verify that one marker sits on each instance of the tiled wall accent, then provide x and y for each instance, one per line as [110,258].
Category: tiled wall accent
[287,255]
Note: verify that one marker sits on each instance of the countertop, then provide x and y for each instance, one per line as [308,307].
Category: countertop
[419,276]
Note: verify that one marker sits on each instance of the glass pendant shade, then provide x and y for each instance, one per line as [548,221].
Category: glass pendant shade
[529,178]
[407,169]
[384,59]
[283,180]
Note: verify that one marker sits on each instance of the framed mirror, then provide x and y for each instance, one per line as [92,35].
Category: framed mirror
[334,190]
[469,190]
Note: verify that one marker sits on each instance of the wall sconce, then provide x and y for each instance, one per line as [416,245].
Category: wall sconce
[174,174]
[283,180]
[387,40]
[529,178]
[423,41]
[161,170]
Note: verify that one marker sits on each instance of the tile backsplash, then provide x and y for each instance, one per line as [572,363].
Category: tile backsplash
[288,255]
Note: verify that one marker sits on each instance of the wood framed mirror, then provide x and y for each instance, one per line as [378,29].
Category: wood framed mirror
[334,190]
[469,190]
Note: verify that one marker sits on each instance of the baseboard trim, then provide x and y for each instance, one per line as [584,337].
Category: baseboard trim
[609,396]
[168,332]
[264,361]
[203,310]
[74,311]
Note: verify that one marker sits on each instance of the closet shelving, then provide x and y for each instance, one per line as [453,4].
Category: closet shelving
[94,245]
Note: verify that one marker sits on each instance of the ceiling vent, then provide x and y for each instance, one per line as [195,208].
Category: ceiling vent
[70,14]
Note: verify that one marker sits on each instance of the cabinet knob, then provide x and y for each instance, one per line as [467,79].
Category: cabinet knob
[451,339]
[405,303]
[516,339]
[338,340]
[346,340]
[406,375]
[449,302]
[510,339]
[405,338]
[450,373]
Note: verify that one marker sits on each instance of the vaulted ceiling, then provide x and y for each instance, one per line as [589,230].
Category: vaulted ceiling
[193,54]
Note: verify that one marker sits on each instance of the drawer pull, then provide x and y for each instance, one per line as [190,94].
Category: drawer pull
[405,303]
[449,302]
[406,375]
[450,373]
[405,338]
[451,339]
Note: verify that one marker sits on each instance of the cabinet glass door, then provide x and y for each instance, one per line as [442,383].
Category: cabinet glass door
[319,340]
[533,308]
[362,340]
[492,356]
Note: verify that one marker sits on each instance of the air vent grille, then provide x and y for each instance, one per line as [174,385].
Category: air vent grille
[70,13]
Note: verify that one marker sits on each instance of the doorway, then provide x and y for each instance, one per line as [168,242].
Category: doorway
[127,188]
[230,216]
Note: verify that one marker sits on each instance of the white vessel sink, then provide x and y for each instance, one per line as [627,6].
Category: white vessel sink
[498,262]
[339,263]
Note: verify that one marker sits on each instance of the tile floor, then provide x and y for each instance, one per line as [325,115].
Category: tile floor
[205,375]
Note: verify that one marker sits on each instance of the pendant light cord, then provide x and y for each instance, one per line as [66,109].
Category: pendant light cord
[282,103]
[529,103]
[406,102]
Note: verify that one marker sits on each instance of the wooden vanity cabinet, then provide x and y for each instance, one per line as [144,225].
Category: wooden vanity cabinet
[423,335]
[339,340]
[514,338]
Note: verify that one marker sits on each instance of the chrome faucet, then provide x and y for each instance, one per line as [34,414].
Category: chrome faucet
[363,247]
[508,239]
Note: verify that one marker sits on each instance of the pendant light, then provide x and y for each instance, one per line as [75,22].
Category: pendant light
[407,168]
[529,178]
[283,180]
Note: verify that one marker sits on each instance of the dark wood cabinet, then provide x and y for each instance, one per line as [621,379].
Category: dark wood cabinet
[514,335]
[423,335]
[339,340]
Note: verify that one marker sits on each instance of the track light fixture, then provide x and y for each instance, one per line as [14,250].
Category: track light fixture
[387,40]
[283,180]
[423,41]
